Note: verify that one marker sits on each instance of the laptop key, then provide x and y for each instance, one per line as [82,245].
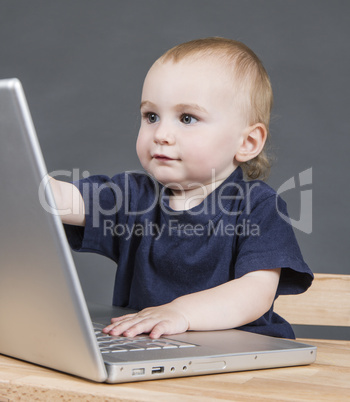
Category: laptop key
[180,344]
[115,350]
[132,347]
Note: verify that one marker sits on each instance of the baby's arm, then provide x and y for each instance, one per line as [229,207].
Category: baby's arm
[235,303]
[69,202]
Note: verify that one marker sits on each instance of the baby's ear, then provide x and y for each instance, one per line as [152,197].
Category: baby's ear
[254,139]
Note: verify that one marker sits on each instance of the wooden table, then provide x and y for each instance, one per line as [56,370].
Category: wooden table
[328,379]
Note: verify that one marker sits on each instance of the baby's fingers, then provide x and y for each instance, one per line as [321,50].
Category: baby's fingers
[162,328]
[115,321]
[122,317]
[132,328]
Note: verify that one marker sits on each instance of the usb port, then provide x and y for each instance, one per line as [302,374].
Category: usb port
[138,371]
[158,370]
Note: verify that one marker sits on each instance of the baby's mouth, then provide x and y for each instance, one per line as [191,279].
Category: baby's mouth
[161,157]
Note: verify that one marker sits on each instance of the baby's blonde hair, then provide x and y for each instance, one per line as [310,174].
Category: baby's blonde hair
[253,81]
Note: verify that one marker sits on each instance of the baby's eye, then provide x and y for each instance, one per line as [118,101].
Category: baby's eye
[187,119]
[152,117]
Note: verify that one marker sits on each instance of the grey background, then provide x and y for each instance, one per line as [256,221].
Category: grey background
[82,65]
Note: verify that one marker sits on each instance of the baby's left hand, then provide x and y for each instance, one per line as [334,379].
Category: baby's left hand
[161,320]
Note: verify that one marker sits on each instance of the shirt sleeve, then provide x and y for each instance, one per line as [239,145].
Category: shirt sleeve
[272,244]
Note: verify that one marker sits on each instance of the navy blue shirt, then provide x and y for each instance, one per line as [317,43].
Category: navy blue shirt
[163,254]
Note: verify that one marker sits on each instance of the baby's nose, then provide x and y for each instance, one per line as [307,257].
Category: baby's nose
[164,135]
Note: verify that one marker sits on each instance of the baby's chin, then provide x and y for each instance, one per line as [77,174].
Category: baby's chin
[177,182]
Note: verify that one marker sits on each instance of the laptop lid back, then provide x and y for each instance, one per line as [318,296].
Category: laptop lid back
[43,314]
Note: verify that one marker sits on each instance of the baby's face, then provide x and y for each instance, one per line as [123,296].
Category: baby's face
[191,124]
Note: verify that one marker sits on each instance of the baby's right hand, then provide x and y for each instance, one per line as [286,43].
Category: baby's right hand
[69,202]
[157,321]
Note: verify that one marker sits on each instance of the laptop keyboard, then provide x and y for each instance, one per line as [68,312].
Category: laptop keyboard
[120,344]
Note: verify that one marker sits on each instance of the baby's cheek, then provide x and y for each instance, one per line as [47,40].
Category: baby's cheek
[142,150]
[198,162]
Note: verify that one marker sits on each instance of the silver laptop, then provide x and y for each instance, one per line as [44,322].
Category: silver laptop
[44,318]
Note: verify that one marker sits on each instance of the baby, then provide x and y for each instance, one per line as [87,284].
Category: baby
[198,247]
